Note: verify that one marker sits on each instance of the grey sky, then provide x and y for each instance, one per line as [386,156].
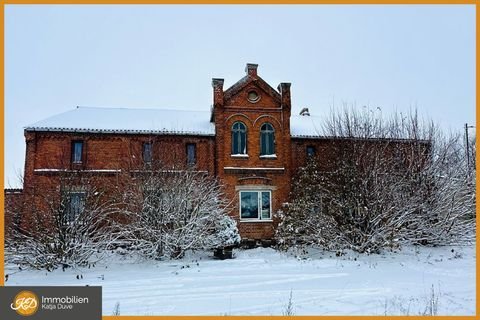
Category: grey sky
[393,57]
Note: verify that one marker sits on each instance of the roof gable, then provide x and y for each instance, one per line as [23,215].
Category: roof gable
[251,80]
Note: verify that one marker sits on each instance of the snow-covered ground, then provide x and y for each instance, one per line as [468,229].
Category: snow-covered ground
[260,281]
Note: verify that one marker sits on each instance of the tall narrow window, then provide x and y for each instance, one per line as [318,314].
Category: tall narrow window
[75,205]
[191,154]
[77,151]
[147,152]
[239,138]
[266,211]
[267,140]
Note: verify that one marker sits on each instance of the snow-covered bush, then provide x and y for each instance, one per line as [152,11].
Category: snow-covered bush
[449,207]
[385,183]
[302,221]
[66,228]
[225,234]
[171,211]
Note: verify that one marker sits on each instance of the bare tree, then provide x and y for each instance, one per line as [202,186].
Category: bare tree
[388,182]
[450,206]
[72,215]
[68,224]
[169,211]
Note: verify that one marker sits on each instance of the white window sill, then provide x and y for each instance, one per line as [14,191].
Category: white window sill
[269,156]
[239,156]
[255,220]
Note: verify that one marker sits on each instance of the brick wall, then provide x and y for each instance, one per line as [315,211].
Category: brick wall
[238,173]
[107,160]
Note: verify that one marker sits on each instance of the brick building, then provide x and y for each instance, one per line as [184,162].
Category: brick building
[249,140]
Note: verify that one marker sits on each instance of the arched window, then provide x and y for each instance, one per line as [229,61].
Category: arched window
[239,138]
[267,140]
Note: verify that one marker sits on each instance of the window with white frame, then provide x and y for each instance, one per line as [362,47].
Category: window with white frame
[256,205]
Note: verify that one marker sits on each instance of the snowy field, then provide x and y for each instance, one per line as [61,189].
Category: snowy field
[260,281]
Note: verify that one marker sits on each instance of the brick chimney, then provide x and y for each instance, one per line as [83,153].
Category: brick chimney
[217,85]
[284,89]
[251,69]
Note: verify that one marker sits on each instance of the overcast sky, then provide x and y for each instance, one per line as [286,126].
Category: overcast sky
[392,57]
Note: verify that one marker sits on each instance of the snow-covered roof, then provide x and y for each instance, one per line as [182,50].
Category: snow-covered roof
[123,120]
[157,121]
[305,126]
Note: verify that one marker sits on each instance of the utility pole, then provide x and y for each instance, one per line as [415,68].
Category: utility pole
[467,144]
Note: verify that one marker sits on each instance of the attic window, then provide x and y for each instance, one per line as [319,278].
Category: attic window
[253,96]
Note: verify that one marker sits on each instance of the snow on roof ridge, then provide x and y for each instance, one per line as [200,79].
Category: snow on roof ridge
[129,108]
[102,119]
[149,120]
[32,125]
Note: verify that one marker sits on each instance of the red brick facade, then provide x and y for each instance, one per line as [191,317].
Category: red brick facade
[107,155]
[253,171]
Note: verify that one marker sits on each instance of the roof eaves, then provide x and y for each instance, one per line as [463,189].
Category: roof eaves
[305,136]
[118,131]
[320,137]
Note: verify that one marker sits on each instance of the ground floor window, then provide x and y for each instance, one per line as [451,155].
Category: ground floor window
[256,205]
[75,205]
